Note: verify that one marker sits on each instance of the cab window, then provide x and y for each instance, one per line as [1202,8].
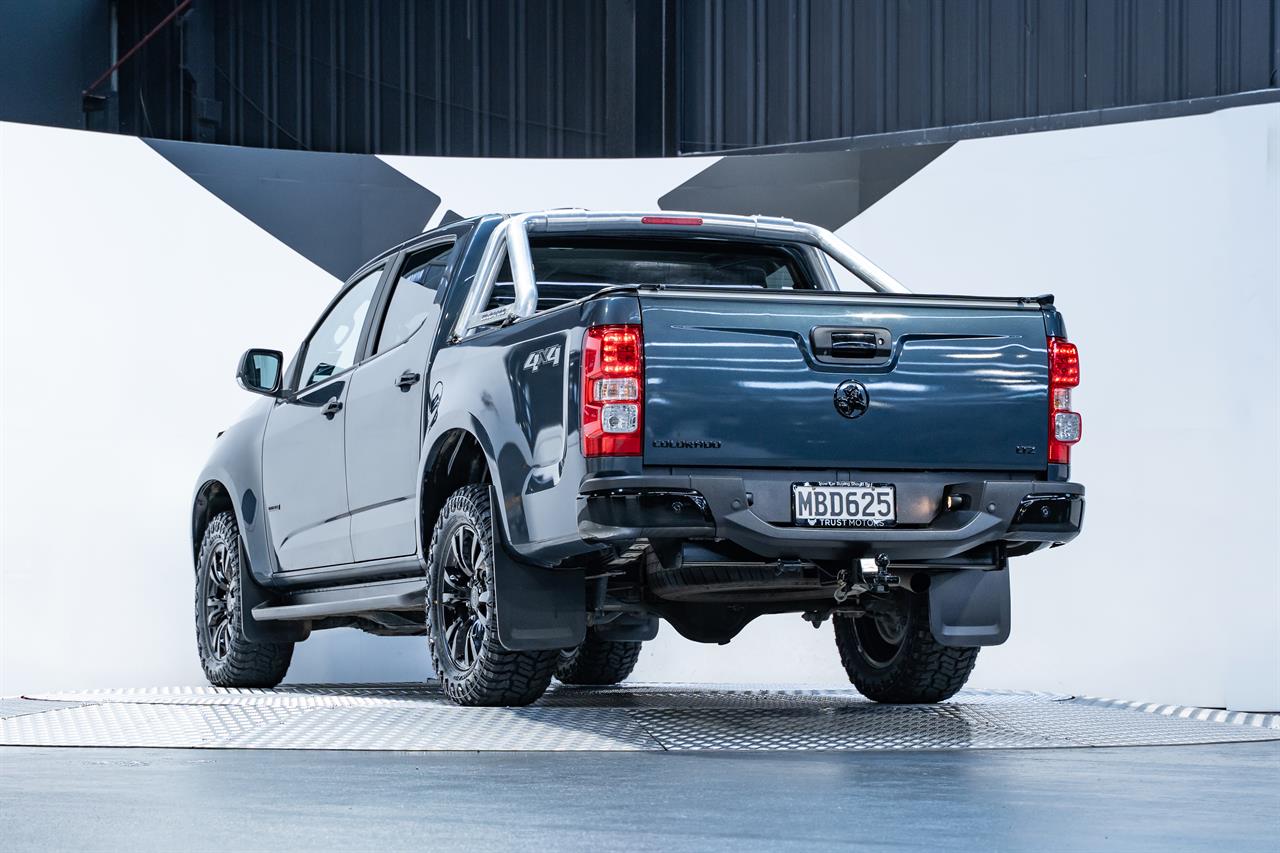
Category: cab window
[332,347]
[413,296]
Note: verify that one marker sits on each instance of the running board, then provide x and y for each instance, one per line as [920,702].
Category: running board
[404,594]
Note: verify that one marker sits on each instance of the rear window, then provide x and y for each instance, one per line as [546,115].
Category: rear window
[572,268]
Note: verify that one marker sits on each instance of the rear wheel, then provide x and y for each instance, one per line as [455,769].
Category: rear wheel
[597,661]
[462,630]
[228,657]
[890,654]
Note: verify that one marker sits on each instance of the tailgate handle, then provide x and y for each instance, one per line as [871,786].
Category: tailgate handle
[837,345]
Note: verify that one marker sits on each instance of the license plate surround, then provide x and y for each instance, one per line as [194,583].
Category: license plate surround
[879,491]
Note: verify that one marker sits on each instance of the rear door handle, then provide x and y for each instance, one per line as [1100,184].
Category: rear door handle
[408,379]
[332,409]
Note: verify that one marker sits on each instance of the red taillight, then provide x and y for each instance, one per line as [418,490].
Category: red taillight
[670,220]
[612,391]
[1064,424]
[1064,363]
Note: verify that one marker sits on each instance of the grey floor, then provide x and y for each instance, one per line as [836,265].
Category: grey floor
[1221,797]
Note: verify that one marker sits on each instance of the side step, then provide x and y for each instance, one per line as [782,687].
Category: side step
[404,594]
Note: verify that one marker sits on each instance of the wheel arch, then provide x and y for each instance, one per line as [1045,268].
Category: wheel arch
[457,458]
[212,497]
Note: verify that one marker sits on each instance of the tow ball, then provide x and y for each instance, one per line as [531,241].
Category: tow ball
[875,578]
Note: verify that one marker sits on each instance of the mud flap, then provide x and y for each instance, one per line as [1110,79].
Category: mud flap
[537,608]
[251,595]
[969,608]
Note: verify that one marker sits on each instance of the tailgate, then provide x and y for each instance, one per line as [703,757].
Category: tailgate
[759,380]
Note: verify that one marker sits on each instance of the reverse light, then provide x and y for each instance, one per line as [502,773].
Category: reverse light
[612,391]
[1064,424]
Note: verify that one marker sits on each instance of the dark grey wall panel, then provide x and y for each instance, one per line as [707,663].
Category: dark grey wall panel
[442,77]
[767,72]
[49,52]
[550,78]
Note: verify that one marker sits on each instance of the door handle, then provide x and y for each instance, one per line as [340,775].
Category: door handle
[407,380]
[332,409]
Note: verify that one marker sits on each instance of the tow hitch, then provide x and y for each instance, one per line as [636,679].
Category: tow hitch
[875,577]
[879,580]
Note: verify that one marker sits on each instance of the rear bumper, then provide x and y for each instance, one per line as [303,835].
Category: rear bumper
[625,508]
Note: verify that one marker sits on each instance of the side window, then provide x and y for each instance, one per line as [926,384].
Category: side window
[413,295]
[332,348]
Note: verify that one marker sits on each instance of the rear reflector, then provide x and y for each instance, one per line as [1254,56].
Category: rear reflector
[670,220]
[612,391]
[1064,424]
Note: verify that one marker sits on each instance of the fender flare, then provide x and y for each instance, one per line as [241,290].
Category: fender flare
[433,445]
[255,550]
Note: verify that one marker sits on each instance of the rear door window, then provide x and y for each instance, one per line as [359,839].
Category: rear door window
[413,295]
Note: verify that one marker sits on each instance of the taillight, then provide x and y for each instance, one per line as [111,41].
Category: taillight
[612,391]
[1064,374]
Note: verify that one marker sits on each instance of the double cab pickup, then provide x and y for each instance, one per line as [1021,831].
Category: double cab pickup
[532,438]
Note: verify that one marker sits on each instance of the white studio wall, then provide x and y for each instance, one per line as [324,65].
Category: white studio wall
[127,291]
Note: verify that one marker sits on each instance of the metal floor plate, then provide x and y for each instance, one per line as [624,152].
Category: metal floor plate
[629,717]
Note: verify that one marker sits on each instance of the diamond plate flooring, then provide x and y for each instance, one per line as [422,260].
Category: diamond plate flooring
[640,717]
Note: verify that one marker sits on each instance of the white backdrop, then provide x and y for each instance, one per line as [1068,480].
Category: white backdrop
[126,295]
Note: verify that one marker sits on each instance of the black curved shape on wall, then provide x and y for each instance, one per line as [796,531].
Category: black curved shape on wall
[337,210]
[827,188]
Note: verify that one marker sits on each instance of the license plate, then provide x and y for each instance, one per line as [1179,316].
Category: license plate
[843,504]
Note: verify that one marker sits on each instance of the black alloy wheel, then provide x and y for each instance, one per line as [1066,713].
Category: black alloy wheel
[464,598]
[219,602]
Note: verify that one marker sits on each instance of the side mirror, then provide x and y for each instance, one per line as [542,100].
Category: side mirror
[260,371]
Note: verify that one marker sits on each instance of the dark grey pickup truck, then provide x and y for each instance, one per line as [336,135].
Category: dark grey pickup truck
[531,438]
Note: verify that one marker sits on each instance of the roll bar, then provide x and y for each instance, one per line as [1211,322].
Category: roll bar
[510,240]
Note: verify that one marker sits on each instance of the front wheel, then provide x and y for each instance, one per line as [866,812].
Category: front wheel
[891,655]
[228,657]
[462,628]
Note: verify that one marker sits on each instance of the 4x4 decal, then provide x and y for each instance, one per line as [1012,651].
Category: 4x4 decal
[547,355]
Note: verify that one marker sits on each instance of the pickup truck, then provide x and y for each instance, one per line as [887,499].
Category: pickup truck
[532,437]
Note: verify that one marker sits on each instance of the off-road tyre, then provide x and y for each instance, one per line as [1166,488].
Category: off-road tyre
[598,662]
[913,670]
[495,675]
[228,657]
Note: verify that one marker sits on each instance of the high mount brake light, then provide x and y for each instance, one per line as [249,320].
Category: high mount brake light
[1064,374]
[670,220]
[612,391]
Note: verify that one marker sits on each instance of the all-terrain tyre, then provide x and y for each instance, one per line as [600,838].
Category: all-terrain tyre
[462,629]
[228,657]
[597,661]
[890,654]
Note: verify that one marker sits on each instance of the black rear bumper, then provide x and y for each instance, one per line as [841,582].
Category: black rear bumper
[622,509]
